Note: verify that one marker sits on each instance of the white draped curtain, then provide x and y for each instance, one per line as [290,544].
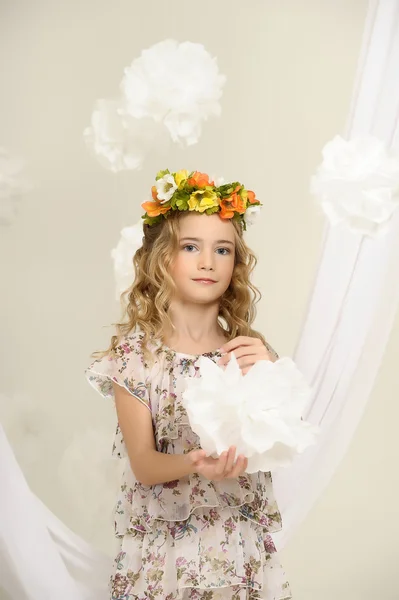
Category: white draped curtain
[355,294]
[349,318]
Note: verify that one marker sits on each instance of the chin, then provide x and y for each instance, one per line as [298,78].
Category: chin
[202,298]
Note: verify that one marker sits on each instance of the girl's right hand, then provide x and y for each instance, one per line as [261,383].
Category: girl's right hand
[216,469]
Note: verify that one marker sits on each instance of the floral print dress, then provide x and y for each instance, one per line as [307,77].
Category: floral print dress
[192,538]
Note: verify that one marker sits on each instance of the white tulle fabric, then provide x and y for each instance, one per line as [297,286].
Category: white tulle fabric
[355,297]
[259,413]
[40,558]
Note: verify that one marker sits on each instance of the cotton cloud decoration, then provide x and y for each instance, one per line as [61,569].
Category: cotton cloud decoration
[119,141]
[12,186]
[357,184]
[178,84]
[259,413]
[172,88]
[130,241]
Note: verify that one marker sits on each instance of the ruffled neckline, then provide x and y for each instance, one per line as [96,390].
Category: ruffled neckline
[210,354]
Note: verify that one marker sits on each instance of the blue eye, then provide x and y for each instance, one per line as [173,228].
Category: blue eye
[225,251]
[188,246]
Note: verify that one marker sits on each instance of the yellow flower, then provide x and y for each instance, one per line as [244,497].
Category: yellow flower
[181,176]
[201,200]
[192,203]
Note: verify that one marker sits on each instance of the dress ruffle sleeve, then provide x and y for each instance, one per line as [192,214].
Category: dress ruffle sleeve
[126,367]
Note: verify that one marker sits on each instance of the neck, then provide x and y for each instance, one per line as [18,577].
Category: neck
[195,326]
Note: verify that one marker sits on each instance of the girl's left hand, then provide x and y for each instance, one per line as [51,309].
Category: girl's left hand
[247,350]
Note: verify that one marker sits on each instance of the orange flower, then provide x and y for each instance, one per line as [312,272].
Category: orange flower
[237,204]
[154,192]
[153,209]
[225,211]
[251,197]
[233,194]
[199,180]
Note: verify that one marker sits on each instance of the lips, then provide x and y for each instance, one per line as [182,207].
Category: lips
[205,280]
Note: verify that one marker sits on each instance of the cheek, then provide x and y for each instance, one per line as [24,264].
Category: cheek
[230,268]
[179,267]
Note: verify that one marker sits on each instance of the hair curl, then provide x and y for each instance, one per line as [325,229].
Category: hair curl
[145,303]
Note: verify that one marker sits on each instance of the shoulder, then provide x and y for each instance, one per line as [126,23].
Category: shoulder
[131,348]
[129,343]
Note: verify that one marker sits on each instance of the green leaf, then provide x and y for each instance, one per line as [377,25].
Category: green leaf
[152,220]
[212,210]
[161,174]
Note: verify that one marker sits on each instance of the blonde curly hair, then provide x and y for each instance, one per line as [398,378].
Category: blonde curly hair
[146,302]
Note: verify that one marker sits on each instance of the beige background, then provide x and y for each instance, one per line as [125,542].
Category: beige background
[290,67]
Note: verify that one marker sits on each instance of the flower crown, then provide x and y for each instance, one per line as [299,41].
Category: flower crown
[194,191]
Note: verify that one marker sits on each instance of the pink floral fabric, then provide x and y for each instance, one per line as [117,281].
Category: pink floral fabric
[191,538]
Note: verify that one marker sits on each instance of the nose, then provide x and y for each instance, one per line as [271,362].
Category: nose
[205,262]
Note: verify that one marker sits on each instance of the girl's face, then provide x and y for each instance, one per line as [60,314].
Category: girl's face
[204,263]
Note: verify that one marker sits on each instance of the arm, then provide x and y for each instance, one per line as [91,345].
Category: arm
[149,466]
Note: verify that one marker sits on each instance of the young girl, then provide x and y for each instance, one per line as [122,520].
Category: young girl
[190,526]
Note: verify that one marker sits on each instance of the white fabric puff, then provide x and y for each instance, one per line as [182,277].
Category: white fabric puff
[130,241]
[176,83]
[119,141]
[357,184]
[259,413]
[12,186]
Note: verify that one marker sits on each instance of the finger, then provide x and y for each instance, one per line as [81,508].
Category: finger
[246,362]
[241,340]
[242,352]
[231,456]
[239,467]
[221,463]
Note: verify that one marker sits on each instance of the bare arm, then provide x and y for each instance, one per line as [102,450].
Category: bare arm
[151,467]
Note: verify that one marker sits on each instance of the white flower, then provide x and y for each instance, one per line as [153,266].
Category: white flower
[259,413]
[177,84]
[119,141]
[11,185]
[130,241]
[251,214]
[218,180]
[357,184]
[166,187]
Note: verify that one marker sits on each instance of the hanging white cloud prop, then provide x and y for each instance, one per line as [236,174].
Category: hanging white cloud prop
[119,141]
[12,186]
[259,413]
[130,241]
[178,84]
[173,87]
[357,184]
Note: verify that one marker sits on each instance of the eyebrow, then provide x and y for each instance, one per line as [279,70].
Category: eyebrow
[194,239]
